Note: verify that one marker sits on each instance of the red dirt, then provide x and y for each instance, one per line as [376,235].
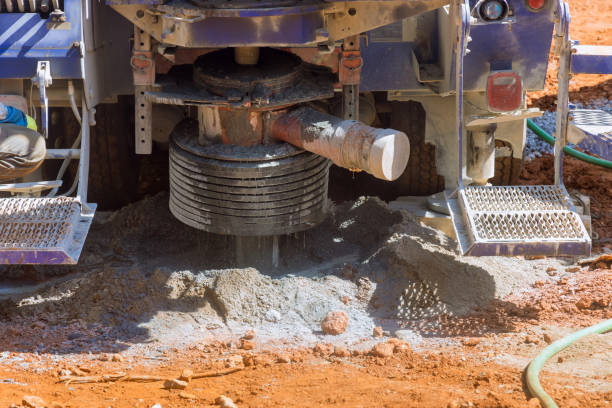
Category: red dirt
[590,25]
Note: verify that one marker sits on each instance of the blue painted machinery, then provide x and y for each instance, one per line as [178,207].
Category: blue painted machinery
[255,100]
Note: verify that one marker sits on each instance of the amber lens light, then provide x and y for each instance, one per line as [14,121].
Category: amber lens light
[504,91]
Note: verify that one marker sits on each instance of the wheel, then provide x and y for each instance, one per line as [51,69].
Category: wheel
[420,176]
[507,168]
[113,166]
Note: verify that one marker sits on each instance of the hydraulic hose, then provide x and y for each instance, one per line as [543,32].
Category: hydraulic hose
[574,153]
[533,382]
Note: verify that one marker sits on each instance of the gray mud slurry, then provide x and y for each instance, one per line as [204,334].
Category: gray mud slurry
[147,278]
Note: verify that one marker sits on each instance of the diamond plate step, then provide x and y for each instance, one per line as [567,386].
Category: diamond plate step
[43,230]
[518,220]
[592,131]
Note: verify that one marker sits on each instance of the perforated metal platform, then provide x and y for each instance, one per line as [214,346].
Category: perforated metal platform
[43,230]
[592,131]
[517,220]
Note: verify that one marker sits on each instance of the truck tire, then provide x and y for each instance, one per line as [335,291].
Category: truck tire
[507,168]
[420,177]
[114,166]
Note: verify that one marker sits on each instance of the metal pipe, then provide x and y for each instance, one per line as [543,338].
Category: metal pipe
[381,152]
[63,154]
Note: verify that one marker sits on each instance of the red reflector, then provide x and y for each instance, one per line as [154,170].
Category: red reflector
[536,4]
[504,91]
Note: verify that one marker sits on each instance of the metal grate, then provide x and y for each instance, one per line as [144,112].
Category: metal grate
[516,198]
[587,117]
[517,220]
[41,223]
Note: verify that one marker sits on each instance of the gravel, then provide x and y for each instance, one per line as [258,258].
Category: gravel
[535,146]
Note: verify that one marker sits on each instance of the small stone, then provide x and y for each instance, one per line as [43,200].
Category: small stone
[559,359]
[104,357]
[405,335]
[382,350]
[345,299]
[551,271]
[249,335]
[377,331]
[32,401]
[186,395]
[175,384]
[483,377]
[534,403]
[340,351]
[584,303]
[272,316]
[117,358]
[531,339]
[471,341]
[55,404]
[157,406]
[65,373]
[225,402]
[323,349]
[186,375]
[573,269]
[453,404]
[335,322]
[547,338]
[247,344]
[283,359]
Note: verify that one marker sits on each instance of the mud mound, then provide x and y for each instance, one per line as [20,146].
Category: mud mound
[146,274]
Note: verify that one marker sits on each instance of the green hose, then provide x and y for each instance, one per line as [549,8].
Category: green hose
[533,382]
[575,153]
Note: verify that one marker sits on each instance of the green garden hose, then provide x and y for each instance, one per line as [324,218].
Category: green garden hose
[575,153]
[533,382]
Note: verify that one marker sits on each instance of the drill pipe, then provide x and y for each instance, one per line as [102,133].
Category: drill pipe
[381,152]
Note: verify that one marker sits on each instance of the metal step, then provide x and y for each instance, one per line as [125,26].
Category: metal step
[591,59]
[517,220]
[592,131]
[43,230]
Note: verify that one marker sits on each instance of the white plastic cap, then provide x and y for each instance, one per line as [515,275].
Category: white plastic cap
[389,154]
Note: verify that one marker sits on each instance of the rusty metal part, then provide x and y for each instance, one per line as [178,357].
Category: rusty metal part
[381,152]
[247,191]
[246,55]
[275,71]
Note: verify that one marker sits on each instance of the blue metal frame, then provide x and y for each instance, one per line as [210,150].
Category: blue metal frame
[25,39]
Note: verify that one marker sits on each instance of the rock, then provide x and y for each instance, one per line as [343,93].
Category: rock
[117,357]
[534,403]
[187,395]
[405,335]
[584,303]
[323,349]
[234,360]
[104,357]
[32,401]
[377,331]
[157,406]
[551,271]
[345,299]
[340,351]
[453,404]
[335,322]
[64,373]
[225,402]
[548,338]
[283,359]
[529,339]
[559,359]
[272,316]
[55,404]
[382,350]
[249,335]
[175,384]
[471,341]
[573,269]
[186,375]
[247,344]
